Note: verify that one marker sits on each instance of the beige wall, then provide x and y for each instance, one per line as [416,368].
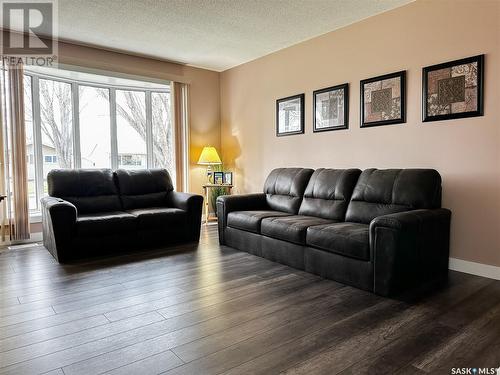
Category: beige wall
[203,95]
[466,151]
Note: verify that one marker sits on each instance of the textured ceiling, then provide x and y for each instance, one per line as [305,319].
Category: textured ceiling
[213,34]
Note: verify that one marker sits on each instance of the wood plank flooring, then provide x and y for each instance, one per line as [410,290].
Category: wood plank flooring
[208,309]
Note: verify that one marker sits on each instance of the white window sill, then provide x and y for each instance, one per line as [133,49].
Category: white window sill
[35,217]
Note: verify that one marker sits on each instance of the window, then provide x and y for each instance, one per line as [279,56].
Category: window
[93,122]
[95,127]
[30,145]
[131,127]
[163,137]
[56,120]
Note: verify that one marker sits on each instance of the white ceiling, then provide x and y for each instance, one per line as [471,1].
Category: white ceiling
[212,34]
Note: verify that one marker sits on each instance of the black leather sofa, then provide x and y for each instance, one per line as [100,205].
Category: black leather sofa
[94,211]
[379,230]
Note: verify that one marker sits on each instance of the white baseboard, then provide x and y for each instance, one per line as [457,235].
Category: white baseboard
[473,268]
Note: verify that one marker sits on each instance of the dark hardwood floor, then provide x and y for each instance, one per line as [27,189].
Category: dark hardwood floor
[208,309]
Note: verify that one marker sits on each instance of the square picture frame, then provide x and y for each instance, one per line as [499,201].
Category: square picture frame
[290,115]
[331,108]
[218,178]
[453,90]
[228,178]
[383,100]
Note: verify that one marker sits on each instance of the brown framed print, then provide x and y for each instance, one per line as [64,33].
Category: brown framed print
[331,108]
[383,100]
[453,89]
[290,115]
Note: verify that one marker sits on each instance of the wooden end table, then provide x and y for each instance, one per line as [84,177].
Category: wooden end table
[206,193]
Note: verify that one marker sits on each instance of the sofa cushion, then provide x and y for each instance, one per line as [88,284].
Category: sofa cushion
[144,187]
[284,188]
[382,192]
[349,239]
[159,217]
[250,220]
[107,223]
[328,193]
[90,190]
[290,228]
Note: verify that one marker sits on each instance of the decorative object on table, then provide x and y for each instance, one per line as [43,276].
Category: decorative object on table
[218,178]
[228,178]
[209,157]
[383,100]
[331,108]
[290,115]
[453,89]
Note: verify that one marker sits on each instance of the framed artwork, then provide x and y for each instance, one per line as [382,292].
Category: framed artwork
[383,100]
[453,89]
[218,178]
[290,115]
[331,108]
[228,178]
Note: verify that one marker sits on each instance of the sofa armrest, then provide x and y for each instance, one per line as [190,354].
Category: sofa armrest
[185,201]
[408,248]
[58,220]
[230,203]
[193,204]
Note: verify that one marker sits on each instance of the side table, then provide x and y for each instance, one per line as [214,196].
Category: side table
[206,193]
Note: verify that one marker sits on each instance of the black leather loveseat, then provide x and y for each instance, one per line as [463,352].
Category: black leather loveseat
[94,211]
[379,230]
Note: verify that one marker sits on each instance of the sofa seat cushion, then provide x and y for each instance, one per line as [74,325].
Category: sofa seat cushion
[349,239]
[250,220]
[159,217]
[106,223]
[290,228]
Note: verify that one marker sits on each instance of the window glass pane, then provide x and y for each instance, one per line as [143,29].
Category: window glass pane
[30,145]
[163,143]
[57,123]
[131,129]
[95,134]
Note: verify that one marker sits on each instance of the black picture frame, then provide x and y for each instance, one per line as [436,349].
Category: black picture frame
[218,175]
[402,119]
[301,98]
[449,64]
[345,88]
[228,181]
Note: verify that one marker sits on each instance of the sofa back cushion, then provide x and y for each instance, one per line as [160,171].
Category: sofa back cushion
[284,188]
[381,192]
[90,190]
[328,193]
[143,188]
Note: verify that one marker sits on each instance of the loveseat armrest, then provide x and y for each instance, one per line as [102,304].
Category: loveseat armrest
[231,203]
[193,205]
[409,248]
[58,221]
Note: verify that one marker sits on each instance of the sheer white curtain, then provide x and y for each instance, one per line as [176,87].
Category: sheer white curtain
[13,171]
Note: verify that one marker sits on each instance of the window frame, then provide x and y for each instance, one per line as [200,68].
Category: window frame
[75,89]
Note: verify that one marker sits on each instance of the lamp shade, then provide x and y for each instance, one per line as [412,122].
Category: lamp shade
[209,156]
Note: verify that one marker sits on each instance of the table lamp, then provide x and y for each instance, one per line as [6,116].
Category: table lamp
[209,157]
